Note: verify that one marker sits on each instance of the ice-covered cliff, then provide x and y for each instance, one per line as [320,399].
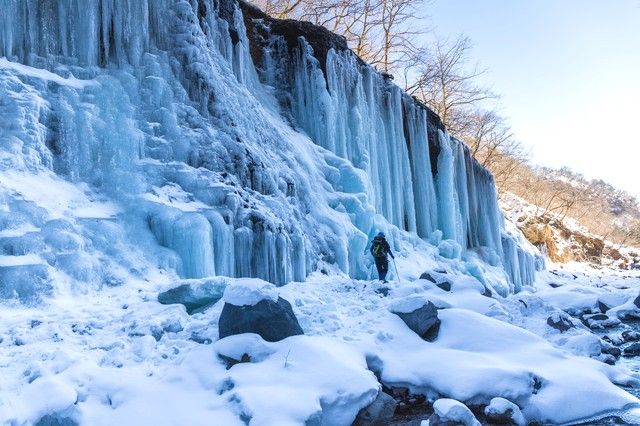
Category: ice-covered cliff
[155,136]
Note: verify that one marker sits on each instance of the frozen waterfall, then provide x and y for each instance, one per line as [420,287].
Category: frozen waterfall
[154,110]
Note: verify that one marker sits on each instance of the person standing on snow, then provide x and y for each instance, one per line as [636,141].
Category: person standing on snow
[379,250]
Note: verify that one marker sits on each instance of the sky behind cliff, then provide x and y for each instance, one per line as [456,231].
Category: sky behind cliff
[569,75]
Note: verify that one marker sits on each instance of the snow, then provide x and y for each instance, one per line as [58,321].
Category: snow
[139,147]
[249,292]
[499,406]
[454,411]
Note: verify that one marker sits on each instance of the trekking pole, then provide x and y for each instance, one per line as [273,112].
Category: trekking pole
[396,266]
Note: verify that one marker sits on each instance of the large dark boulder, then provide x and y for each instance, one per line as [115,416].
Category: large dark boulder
[422,321]
[273,321]
[560,322]
[378,413]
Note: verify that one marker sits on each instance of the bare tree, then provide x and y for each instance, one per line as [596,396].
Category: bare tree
[448,84]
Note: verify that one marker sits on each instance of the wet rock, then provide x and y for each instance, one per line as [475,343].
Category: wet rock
[422,321]
[273,321]
[378,413]
[501,411]
[560,322]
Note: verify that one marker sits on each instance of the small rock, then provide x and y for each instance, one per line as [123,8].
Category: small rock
[384,291]
[423,321]
[504,412]
[35,323]
[636,301]
[445,285]
[196,297]
[608,348]
[378,413]
[560,322]
[632,350]
[427,276]
[631,336]
[451,412]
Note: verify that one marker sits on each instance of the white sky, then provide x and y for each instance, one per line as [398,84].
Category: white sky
[569,75]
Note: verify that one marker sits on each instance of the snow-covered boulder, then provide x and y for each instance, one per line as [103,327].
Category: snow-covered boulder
[254,306]
[378,413]
[504,412]
[195,295]
[422,320]
[560,322]
[451,412]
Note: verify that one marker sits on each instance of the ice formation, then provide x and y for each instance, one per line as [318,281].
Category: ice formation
[139,134]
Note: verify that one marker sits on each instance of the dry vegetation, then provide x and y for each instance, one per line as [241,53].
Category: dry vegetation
[443,76]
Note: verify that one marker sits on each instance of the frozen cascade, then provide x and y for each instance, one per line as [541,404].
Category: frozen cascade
[155,107]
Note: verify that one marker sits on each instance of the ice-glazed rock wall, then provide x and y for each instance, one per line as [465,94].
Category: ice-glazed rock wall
[421,179]
[137,134]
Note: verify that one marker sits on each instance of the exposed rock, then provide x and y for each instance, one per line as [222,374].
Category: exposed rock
[504,412]
[427,276]
[632,350]
[600,321]
[631,335]
[378,413]
[560,322]
[438,280]
[273,321]
[423,321]
[196,297]
[603,307]
[608,348]
[636,301]
[449,412]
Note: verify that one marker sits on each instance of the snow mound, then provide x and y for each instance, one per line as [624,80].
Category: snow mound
[249,292]
[450,410]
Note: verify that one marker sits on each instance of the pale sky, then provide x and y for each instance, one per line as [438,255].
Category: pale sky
[569,75]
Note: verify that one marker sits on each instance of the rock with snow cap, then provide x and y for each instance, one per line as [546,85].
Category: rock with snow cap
[449,412]
[504,412]
[421,319]
[560,322]
[254,306]
[379,412]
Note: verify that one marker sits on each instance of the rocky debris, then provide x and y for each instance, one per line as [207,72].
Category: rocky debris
[378,413]
[449,412]
[501,411]
[196,297]
[632,350]
[422,321]
[614,339]
[560,322]
[273,321]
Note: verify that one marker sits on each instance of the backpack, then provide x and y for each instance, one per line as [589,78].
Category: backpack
[378,248]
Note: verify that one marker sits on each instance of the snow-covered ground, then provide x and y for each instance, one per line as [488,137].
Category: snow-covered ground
[117,356]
